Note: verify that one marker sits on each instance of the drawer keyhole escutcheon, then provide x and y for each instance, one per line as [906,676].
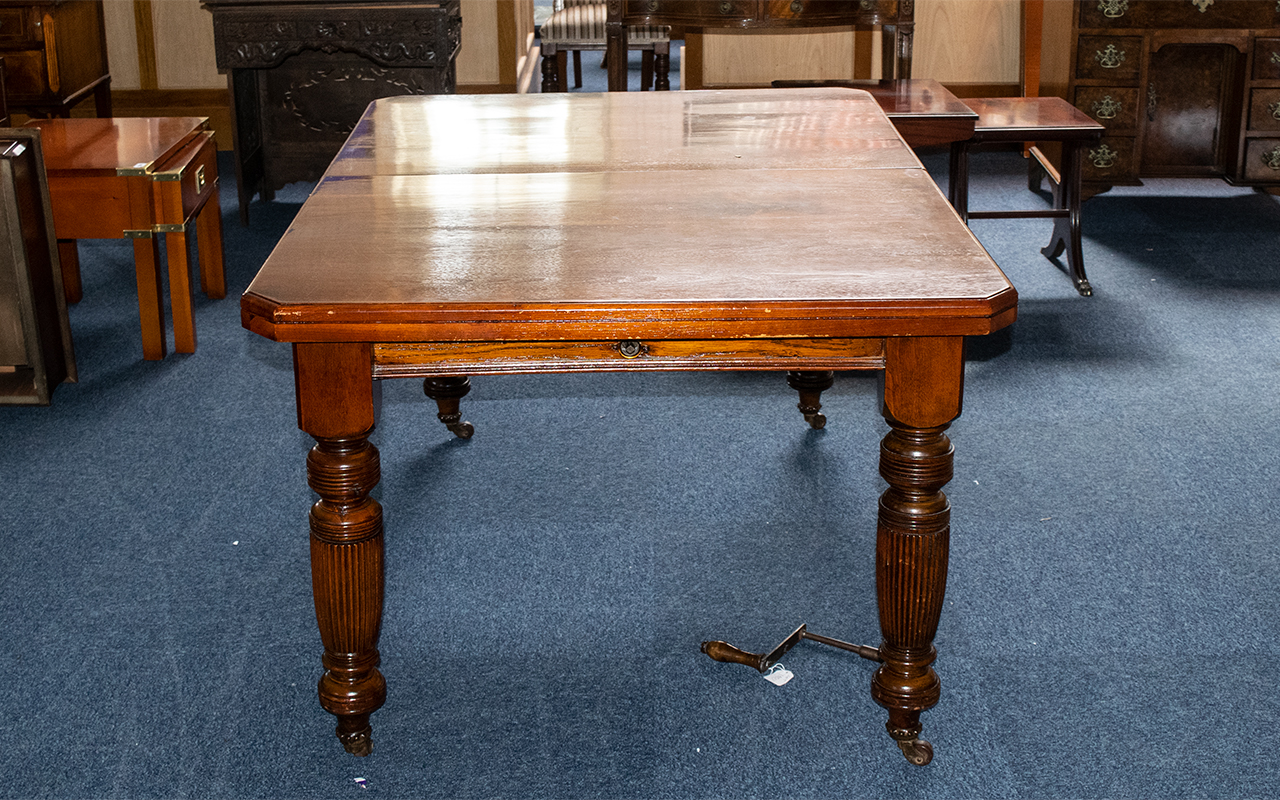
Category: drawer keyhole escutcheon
[200,178]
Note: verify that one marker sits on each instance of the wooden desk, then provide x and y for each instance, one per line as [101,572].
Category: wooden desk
[742,230]
[135,177]
[896,19]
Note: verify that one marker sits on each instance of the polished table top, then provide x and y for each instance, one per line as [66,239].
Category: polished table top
[106,145]
[636,215]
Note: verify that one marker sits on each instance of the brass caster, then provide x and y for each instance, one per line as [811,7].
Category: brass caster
[358,743]
[917,751]
[816,421]
[1084,288]
[463,430]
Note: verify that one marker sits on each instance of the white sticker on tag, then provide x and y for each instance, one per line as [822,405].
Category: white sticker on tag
[778,675]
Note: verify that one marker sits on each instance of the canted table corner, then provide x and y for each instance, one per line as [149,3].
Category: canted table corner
[798,233]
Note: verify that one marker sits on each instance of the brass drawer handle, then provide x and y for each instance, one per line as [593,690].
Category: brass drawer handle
[726,7]
[630,348]
[653,6]
[1113,9]
[1271,160]
[1105,158]
[1275,55]
[1203,5]
[1274,108]
[796,6]
[1109,58]
[1106,108]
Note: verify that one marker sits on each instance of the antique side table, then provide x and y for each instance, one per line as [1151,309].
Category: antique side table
[138,178]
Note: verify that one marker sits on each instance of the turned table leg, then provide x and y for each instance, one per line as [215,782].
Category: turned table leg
[923,383]
[336,406]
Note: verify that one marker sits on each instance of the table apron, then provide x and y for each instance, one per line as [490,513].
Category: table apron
[416,359]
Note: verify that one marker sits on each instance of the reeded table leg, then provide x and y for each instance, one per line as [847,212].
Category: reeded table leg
[923,383]
[336,406]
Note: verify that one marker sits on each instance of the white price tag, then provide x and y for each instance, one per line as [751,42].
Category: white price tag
[778,675]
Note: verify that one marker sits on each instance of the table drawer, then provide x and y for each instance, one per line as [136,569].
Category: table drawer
[18,26]
[183,182]
[1110,160]
[1266,60]
[1177,14]
[1262,160]
[1116,58]
[1264,111]
[1114,108]
[25,74]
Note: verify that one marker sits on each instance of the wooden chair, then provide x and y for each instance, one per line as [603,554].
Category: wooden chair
[578,25]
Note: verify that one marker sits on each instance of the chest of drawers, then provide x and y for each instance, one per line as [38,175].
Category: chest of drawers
[55,55]
[1185,88]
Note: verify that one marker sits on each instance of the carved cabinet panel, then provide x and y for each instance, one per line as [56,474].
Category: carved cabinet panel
[1184,87]
[302,73]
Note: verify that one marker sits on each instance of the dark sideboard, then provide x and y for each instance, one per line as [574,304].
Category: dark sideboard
[301,72]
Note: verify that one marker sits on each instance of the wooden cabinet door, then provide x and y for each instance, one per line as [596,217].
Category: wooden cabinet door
[1188,106]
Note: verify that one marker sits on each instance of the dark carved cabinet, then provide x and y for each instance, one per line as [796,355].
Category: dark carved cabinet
[301,72]
[1185,88]
[55,54]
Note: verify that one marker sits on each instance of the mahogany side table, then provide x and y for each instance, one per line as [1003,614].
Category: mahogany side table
[138,178]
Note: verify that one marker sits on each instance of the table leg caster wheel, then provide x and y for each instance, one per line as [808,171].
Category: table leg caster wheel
[816,421]
[356,742]
[917,751]
[463,430]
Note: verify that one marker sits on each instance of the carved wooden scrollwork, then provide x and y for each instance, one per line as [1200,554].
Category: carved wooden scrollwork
[264,43]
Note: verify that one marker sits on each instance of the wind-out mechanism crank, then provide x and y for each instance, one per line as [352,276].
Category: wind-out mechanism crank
[917,751]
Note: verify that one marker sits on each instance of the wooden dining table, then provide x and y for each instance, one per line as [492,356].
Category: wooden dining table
[783,230]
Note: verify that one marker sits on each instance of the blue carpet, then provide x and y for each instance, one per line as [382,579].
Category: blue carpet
[1109,630]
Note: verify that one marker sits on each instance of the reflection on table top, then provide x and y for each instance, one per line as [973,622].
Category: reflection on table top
[739,129]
